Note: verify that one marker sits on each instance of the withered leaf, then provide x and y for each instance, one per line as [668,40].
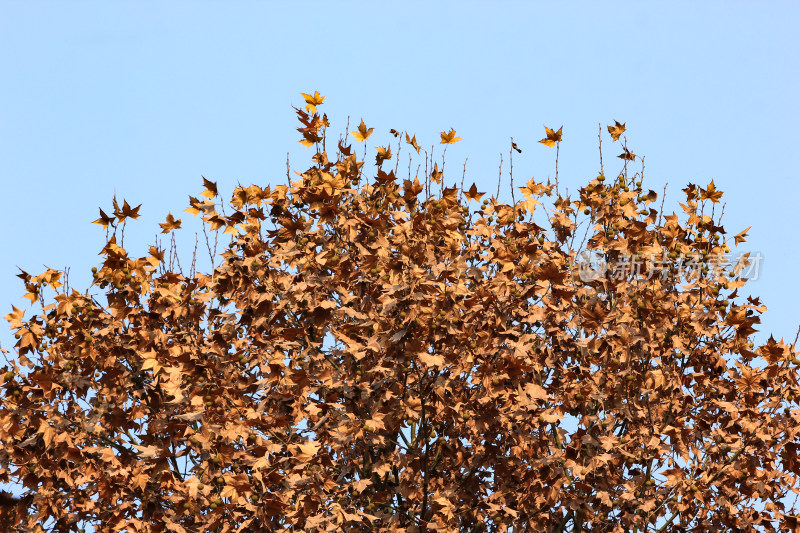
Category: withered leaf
[448,137]
[616,130]
[552,137]
[171,224]
[362,134]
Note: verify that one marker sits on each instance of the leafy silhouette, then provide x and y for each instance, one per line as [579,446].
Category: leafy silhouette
[363,133]
[473,194]
[170,224]
[449,137]
[413,142]
[313,101]
[104,220]
[616,130]
[627,155]
[552,137]
[366,355]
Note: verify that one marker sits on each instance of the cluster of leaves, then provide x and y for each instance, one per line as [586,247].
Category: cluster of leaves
[367,357]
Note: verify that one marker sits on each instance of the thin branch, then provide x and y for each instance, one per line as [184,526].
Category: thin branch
[600,138]
[499,176]
[511,170]
[661,209]
[463,175]
[558,146]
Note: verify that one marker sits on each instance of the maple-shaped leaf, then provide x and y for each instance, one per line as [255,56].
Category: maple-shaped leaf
[127,211]
[436,174]
[104,220]
[532,188]
[307,451]
[449,137]
[170,224]
[15,317]
[211,188]
[383,154]
[627,155]
[473,194]
[363,133]
[740,237]
[383,177]
[616,130]
[313,101]
[552,136]
[711,193]
[412,189]
[413,142]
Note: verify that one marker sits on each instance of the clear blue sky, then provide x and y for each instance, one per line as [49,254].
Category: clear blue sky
[142,98]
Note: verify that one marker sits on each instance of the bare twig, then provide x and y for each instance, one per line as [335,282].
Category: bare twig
[600,138]
[397,157]
[625,160]
[427,175]
[661,209]
[499,175]
[441,184]
[558,145]
[641,177]
[463,175]
[193,267]
[511,170]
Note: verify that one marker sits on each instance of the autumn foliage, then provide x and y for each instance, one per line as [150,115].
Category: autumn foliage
[385,353]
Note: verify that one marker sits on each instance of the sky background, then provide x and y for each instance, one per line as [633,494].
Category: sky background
[142,98]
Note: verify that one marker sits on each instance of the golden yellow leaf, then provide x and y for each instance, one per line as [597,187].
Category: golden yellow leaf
[616,130]
[363,133]
[740,237]
[313,101]
[413,142]
[384,154]
[552,137]
[449,137]
[711,193]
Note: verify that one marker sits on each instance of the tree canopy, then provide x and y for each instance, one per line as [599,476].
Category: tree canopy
[392,354]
